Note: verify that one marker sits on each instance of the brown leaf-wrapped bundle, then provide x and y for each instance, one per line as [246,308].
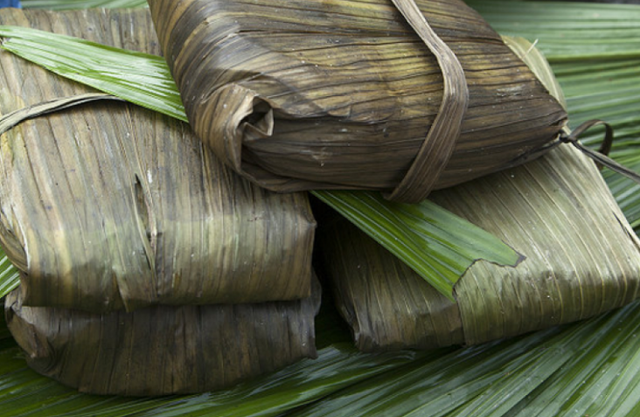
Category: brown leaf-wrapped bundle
[582,257]
[111,206]
[163,349]
[308,94]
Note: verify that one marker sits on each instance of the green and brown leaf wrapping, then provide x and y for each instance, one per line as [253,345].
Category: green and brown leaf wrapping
[163,349]
[299,95]
[582,257]
[111,206]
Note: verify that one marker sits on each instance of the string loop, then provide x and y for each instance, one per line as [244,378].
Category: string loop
[600,156]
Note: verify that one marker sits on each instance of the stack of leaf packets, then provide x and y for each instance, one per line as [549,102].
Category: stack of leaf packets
[128,190]
[302,94]
[147,266]
[582,257]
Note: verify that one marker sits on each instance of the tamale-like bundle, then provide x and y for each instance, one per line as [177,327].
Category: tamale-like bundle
[299,95]
[163,349]
[582,257]
[110,205]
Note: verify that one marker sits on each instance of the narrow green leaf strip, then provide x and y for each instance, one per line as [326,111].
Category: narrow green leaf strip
[435,243]
[9,276]
[140,78]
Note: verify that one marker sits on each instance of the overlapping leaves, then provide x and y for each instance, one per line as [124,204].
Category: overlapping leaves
[440,256]
[590,368]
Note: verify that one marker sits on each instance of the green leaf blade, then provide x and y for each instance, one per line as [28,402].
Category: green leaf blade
[9,275]
[435,243]
[140,78]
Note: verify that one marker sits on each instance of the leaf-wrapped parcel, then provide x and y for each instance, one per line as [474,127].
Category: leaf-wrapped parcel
[163,349]
[308,94]
[582,259]
[110,206]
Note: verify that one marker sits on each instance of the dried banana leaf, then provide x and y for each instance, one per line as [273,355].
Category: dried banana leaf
[163,349]
[299,95]
[110,205]
[582,257]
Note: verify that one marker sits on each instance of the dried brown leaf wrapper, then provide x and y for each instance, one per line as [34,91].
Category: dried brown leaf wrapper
[110,206]
[582,257]
[164,349]
[298,95]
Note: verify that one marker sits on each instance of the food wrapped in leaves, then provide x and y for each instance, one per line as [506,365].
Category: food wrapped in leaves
[109,205]
[163,349]
[582,257]
[299,95]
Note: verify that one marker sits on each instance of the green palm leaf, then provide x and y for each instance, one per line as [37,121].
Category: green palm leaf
[568,31]
[517,376]
[140,78]
[589,368]
[9,277]
[411,230]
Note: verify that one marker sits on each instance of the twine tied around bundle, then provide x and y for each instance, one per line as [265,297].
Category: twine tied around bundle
[599,156]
